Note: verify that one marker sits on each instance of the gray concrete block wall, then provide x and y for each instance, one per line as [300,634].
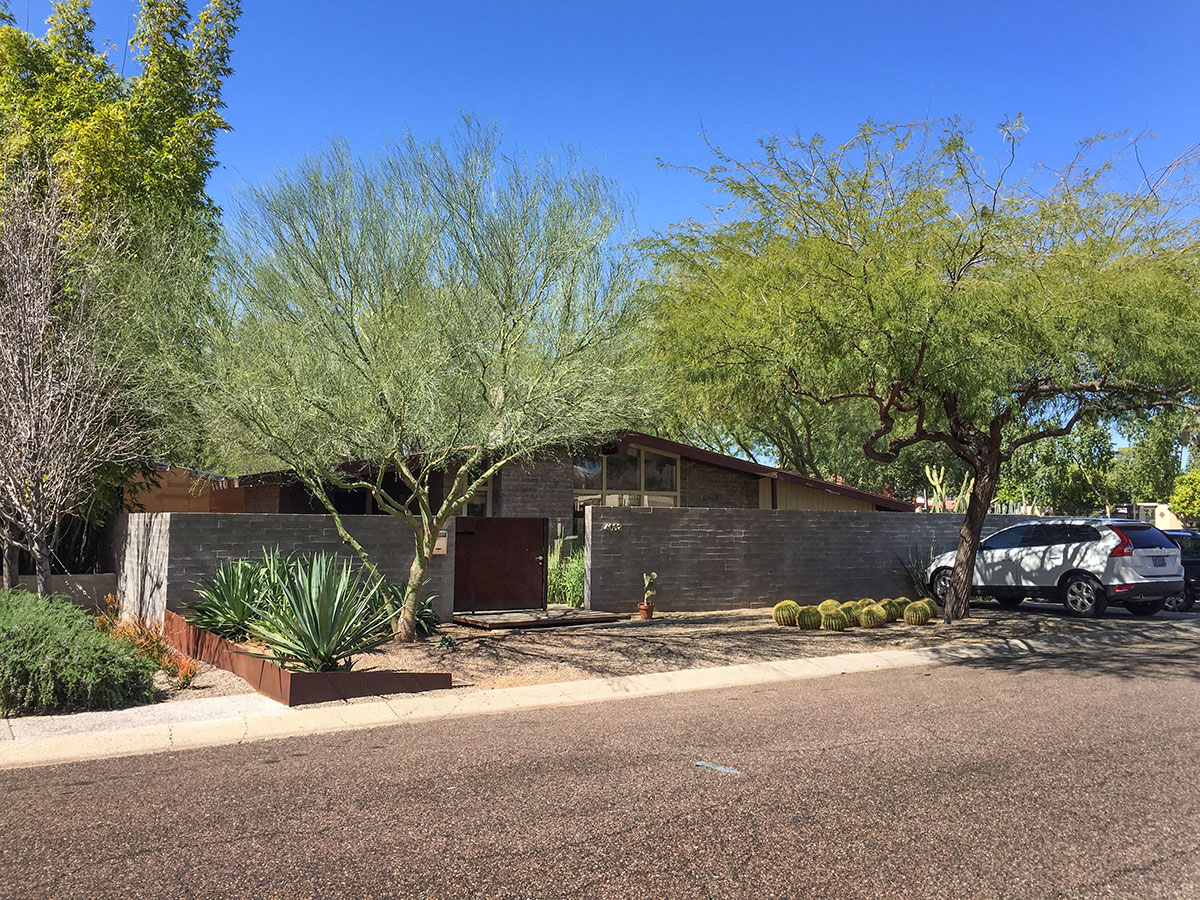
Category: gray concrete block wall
[702,485]
[730,558]
[542,489]
[163,558]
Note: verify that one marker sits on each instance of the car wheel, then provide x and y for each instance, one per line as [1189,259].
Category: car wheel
[1084,597]
[1010,602]
[1180,602]
[941,586]
[1144,607]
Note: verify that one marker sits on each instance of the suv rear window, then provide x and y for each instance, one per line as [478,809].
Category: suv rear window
[1189,544]
[1146,537]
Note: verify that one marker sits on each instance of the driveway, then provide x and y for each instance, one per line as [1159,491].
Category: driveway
[1065,775]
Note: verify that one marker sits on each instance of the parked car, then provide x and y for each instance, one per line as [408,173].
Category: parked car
[1189,547]
[1083,563]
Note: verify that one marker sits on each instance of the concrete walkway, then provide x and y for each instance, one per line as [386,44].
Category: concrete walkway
[50,740]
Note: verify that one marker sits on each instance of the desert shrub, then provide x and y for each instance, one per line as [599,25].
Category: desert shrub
[916,614]
[834,621]
[564,579]
[915,567]
[427,622]
[320,615]
[148,640]
[52,657]
[828,606]
[808,617]
[786,612]
[872,616]
[228,601]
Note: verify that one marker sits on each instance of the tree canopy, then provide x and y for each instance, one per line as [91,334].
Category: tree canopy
[944,300]
[408,324]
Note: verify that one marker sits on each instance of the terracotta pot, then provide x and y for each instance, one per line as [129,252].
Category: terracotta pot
[646,610]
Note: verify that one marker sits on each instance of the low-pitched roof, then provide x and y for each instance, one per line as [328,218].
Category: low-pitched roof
[687,451]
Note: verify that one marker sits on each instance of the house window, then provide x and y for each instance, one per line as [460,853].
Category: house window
[480,503]
[637,477]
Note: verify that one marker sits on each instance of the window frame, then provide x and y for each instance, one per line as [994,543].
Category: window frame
[640,492]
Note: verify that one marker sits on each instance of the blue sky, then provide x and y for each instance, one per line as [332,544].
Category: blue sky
[628,83]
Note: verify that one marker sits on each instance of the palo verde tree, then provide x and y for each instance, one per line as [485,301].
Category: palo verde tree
[946,302]
[409,324]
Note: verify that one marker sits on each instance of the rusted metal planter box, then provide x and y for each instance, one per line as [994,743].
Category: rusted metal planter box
[292,688]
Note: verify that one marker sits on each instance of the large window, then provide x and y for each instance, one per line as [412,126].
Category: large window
[637,477]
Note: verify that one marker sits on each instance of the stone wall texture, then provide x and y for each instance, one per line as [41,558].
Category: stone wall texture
[731,558]
[161,558]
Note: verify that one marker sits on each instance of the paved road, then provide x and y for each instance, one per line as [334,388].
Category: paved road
[1075,775]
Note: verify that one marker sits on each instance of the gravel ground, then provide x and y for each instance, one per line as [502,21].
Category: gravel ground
[211,682]
[490,659]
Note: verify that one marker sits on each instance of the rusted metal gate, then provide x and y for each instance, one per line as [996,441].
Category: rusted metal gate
[499,563]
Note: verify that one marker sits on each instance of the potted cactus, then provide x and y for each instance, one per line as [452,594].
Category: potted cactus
[646,607]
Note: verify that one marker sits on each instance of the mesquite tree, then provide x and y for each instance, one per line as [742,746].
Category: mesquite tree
[944,301]
[418,319]
[62,413]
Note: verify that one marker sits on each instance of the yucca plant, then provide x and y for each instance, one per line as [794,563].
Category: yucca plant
[229,601]
[320,615]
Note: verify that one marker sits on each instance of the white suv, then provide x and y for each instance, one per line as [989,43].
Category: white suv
[1083,563]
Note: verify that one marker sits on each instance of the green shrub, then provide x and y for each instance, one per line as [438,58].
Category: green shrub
[227,602]
[53,658]
[809,617]
[319,616]
[834,621]
[916,614]
[872,616]
[427,622]
[786,612]
[564,579]
[828,606]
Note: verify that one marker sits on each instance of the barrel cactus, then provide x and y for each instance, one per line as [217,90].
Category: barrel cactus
[828,606]
[834,621]
[786,613]
[932,604]
[891,609]
[901,602]
[850,611]
[808,617]
[872,616]
[916,614]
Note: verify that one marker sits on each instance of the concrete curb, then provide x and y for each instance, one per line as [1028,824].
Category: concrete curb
[423,708]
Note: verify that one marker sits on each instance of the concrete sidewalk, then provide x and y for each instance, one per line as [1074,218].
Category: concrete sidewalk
[50,740]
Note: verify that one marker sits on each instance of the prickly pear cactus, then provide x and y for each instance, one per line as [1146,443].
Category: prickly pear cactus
[828,606]
[834,621]
[786,612]
[916,614]
[808,617]
[872,616]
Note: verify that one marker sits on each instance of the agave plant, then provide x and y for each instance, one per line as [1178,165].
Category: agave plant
[228,603]
[320,615]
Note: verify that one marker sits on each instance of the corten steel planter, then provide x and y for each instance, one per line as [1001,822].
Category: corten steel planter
[288,687]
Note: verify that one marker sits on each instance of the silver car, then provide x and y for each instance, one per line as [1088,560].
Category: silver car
[1083,563]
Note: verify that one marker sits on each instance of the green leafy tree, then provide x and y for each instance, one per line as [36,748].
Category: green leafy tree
[1146,470]
[946,302]
[408,325]
[1185,498]
[1072,475]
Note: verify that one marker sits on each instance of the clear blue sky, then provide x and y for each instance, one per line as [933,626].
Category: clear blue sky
[627,83]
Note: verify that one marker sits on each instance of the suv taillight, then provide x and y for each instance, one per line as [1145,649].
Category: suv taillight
[1125,548]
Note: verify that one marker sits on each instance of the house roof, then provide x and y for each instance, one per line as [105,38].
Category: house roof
[687,451]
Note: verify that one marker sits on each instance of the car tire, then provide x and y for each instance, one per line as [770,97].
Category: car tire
[1083,596]
[1144,607]
[1010,602]
[939,586]
[1180,602]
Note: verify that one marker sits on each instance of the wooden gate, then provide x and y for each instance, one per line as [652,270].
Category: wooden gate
[499,563]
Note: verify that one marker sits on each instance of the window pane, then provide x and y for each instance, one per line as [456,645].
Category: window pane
[587,473]
[657,499]
[582,500]
[1007,539]
[622,499]
[1146,537]
[622,472]
[660,472]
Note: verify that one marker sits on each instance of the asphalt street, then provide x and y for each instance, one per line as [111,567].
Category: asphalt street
[1066,775]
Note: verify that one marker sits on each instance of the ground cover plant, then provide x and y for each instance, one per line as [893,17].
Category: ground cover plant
[53,658]
[148,640]
[564,580]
